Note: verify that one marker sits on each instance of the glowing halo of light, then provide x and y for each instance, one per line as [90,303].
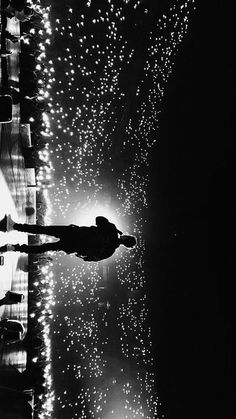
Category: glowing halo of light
[88,213]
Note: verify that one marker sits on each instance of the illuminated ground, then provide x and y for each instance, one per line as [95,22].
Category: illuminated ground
[13,201]
[13,273]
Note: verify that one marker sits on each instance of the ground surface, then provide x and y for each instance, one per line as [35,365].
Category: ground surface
[13,273]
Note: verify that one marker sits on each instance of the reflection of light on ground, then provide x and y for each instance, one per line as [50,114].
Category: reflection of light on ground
[7,206]
[7,271]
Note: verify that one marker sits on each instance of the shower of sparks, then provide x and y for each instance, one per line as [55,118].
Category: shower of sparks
[103,68]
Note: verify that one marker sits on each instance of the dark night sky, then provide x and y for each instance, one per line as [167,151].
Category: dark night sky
[193,198]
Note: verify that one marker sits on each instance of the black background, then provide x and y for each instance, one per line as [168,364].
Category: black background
[192,235]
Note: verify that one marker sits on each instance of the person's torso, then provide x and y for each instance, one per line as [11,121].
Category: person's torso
[91,241]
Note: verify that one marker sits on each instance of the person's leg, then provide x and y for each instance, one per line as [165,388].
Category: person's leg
[56,231]
[24,248]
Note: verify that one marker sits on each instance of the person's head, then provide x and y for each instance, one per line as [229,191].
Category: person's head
[128,241]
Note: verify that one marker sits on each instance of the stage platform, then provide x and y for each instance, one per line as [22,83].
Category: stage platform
[13,273]
[14,198]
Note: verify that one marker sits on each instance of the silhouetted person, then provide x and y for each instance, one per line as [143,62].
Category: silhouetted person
[89,243]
